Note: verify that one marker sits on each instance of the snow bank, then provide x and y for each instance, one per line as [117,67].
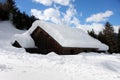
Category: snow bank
[8,27]
[85,66]
[69,37]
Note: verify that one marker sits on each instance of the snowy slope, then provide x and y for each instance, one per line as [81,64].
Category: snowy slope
[16,64]
[7,31]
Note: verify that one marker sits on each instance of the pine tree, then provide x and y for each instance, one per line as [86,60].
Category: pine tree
[3,12]
[9,11]
[92,33]
[109,38]
[101,37]
[22,20]
[11,7]
[118,40]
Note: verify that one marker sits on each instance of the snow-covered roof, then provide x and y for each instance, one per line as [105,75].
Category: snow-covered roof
[68,36]
[24,40]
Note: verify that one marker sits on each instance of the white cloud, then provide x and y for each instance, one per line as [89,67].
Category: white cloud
[56,16]
[99,16]
[38,14]
[95,26]
[53,14]
[44,2]
[62,2]
[50,2]
[69,15]
[50,14]
[116,28]
[76,22]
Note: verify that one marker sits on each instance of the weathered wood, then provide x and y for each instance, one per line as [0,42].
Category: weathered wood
[44,41]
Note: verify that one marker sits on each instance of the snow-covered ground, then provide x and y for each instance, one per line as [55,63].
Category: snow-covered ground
[16,64]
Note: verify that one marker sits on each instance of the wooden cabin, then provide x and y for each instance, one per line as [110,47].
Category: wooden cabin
[46,43]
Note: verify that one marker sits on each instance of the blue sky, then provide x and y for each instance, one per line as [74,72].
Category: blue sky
[85,14]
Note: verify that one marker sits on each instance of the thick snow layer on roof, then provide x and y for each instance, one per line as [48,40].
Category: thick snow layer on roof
[24,40]
[67,36]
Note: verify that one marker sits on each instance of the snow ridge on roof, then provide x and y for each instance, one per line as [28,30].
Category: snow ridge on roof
[67,36]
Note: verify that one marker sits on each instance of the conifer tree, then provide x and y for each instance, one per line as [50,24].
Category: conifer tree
[9,11]
[110,38]
[101,37]
[92,33]
[4,13]
[118,40]
[11,6]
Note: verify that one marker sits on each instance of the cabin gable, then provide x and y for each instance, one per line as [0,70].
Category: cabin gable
[16,44]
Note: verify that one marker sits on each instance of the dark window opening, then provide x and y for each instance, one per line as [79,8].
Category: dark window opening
[85,51]
[72,51]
